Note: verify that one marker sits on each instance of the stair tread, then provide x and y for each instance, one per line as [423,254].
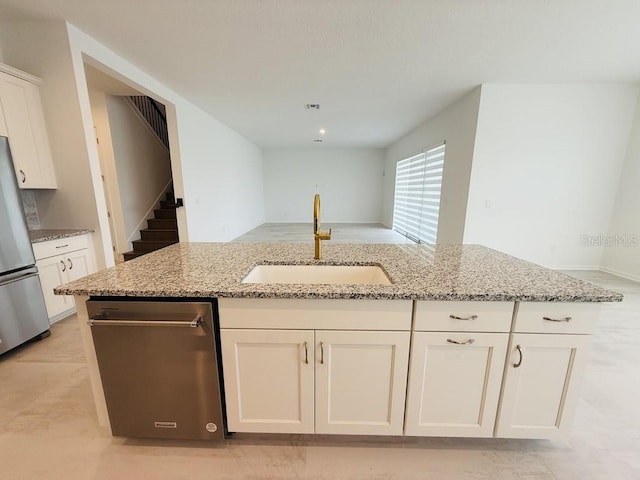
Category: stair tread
[168,242]
[132,254]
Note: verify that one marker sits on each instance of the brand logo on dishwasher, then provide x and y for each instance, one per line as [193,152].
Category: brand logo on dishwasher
[165,424]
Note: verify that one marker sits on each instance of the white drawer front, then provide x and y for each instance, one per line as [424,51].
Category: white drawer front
[60,246]
[463,316]
[270,313]
[560,317]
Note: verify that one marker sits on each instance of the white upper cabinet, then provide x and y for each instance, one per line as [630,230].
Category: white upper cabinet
[23,123]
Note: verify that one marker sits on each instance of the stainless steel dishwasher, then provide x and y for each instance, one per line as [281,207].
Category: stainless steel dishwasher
[159,368]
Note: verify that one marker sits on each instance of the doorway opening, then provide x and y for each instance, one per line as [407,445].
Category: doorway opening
[135,162]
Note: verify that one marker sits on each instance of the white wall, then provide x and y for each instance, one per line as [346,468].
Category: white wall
[42,48]
[349,181]
[622,248]
[142,165]
[546,167]
[457,126]
[222,178]
[215,170]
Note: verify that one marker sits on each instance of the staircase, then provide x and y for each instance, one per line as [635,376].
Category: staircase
[162,230]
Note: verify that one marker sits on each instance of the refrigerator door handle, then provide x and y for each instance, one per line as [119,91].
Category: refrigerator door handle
[17,276]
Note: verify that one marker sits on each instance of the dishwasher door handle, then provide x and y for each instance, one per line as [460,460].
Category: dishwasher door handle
[96,321]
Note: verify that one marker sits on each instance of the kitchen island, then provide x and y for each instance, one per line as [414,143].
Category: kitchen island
[464,341]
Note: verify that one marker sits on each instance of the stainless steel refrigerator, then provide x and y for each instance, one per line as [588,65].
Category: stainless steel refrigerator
[23,315]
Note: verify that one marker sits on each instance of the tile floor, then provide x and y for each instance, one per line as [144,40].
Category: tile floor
[48,428]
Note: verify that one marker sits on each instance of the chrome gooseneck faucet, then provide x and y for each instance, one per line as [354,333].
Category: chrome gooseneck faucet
[318,234]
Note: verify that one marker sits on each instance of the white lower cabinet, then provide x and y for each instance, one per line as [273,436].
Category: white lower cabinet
[360,381]
[361,378]
[541,385]
[62,261]
[268,379]
[53,272]
[454,383]
[476,369]
[345,379]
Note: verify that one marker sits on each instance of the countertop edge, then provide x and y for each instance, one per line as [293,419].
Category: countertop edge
[342,296]
[46,235]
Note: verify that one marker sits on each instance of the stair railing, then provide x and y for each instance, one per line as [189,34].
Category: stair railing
[154,116]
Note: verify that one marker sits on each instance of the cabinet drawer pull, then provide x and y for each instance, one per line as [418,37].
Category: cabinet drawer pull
[24,177]
[322,353]
[62,246]
[64,266]
[472,317]
[466,342]
[306,352]
[70,263]
[519,349]
[549,319]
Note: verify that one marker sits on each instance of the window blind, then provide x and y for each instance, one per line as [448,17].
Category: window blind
[416,206]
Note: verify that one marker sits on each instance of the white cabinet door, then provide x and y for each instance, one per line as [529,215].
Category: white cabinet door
[27,133]
[79,264]
[361,379]
[454,387]
[541,385]
[268,377]
[53,272]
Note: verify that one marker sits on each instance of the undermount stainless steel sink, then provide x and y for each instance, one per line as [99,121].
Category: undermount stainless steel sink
[318,274]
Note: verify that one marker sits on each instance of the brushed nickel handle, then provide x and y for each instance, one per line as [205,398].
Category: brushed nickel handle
[64,266]
[70,263]
[549,319]
[306,352]
[519,349]
[24,177]
[62,246]
[472,317]
[96,321]
[322,353]
[466,342]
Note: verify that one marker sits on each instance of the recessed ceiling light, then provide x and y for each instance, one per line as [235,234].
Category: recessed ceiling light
[322,131]
[312,106]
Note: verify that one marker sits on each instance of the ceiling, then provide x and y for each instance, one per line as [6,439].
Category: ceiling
[378,68]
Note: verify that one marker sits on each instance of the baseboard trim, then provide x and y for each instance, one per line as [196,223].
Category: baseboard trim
[62,315]
[576,267]
[618,273]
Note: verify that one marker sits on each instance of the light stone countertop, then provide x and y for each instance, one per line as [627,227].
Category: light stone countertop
[44,235]
[418,272]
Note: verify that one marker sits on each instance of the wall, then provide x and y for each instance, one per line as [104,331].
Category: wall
[546,167]
[349,181]
[42,49]
[142,165]
[457,126]
[622,248]
[222,178]
[215,170]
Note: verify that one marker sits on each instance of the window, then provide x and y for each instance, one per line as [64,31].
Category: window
[416,205]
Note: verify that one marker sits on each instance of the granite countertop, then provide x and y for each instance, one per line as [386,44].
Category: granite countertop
[418,272]
[44,235]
